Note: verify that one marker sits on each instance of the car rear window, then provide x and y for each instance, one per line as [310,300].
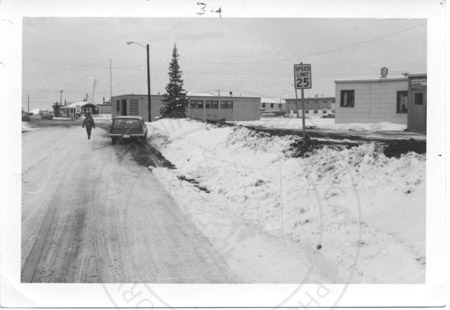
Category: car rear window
[126,122]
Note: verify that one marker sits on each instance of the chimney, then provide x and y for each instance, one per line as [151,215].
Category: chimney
[384,72]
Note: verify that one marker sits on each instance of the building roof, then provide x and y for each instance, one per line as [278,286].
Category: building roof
[270,100]
[417,74]
[190,96]
[373,80]
[73,105]
[309,98]
[89,103]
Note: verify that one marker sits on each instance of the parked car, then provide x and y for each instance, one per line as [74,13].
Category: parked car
[128,127]
[26,116]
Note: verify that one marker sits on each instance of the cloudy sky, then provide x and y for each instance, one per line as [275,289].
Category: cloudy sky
[246,56]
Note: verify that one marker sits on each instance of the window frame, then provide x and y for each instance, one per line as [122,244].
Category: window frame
[213,104]
[422,101]
[347,91]
[226,104]
[399,96]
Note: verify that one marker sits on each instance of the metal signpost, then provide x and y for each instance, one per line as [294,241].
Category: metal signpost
[302,80]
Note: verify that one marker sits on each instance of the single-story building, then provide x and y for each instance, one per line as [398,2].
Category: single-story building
[77,109]
[314,107]
[72,110]
[272,107]
[90,108]
[200,107]
[400,100]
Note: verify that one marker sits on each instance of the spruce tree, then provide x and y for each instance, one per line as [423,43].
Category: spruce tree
[56,109]
[174,100]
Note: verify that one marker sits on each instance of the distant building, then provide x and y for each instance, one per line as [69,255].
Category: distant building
[90,108]
[271,107]
[72,110]
[400,100]
[200,107]
[314,107]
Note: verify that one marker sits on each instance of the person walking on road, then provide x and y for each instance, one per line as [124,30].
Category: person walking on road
[89,123]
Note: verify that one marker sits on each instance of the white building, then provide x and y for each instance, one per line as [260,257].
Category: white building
[272,107]
[372,100]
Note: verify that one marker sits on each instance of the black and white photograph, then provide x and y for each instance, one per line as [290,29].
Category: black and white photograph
[220,157]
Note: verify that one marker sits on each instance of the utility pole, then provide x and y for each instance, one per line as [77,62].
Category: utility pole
[60,98]
[28,103]
[148,85]
[110,81]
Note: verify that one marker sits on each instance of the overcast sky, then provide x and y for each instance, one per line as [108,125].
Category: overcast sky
[247,56]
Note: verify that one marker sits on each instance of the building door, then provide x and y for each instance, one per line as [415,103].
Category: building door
[123,110]
[418,111]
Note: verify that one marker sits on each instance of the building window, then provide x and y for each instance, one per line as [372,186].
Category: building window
[263,104]
[418,98]
[124,107]
[306,111]
[271,105]
[315,111]
[196,104]
[212,104]
[402,102]
[332,111]
[118,106]
[280,106]
[134,107]
[324,111]
[347,98]
[226,104]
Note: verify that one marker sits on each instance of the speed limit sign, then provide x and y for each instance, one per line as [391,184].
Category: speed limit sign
[302,76]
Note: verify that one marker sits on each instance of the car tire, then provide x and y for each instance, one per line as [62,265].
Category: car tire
[113,140]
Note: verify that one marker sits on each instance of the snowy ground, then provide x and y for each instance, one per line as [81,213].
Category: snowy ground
[261,208]
[321,123]
[26,127]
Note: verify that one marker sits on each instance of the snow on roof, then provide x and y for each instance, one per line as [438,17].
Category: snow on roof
[270,100]
[377,79]
[73,105]
[35,111]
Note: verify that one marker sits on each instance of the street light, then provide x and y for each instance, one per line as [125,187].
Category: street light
[148,77]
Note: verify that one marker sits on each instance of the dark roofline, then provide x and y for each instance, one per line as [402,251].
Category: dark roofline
[373,80]
[310,98]
[190,96]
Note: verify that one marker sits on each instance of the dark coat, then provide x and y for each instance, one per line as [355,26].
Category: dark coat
[88,122]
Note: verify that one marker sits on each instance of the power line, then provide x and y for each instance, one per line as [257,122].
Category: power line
[192,72]
[314,54]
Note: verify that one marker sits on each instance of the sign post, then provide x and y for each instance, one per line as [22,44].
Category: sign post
[302,80]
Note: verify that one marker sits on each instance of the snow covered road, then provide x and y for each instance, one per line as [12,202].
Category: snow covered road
[91,214]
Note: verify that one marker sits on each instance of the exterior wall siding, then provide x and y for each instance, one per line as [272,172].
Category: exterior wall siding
[374,101]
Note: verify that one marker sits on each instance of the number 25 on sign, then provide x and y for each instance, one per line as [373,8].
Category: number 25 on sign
[302,75]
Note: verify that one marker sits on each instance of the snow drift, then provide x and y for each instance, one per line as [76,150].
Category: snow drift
[350,215]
